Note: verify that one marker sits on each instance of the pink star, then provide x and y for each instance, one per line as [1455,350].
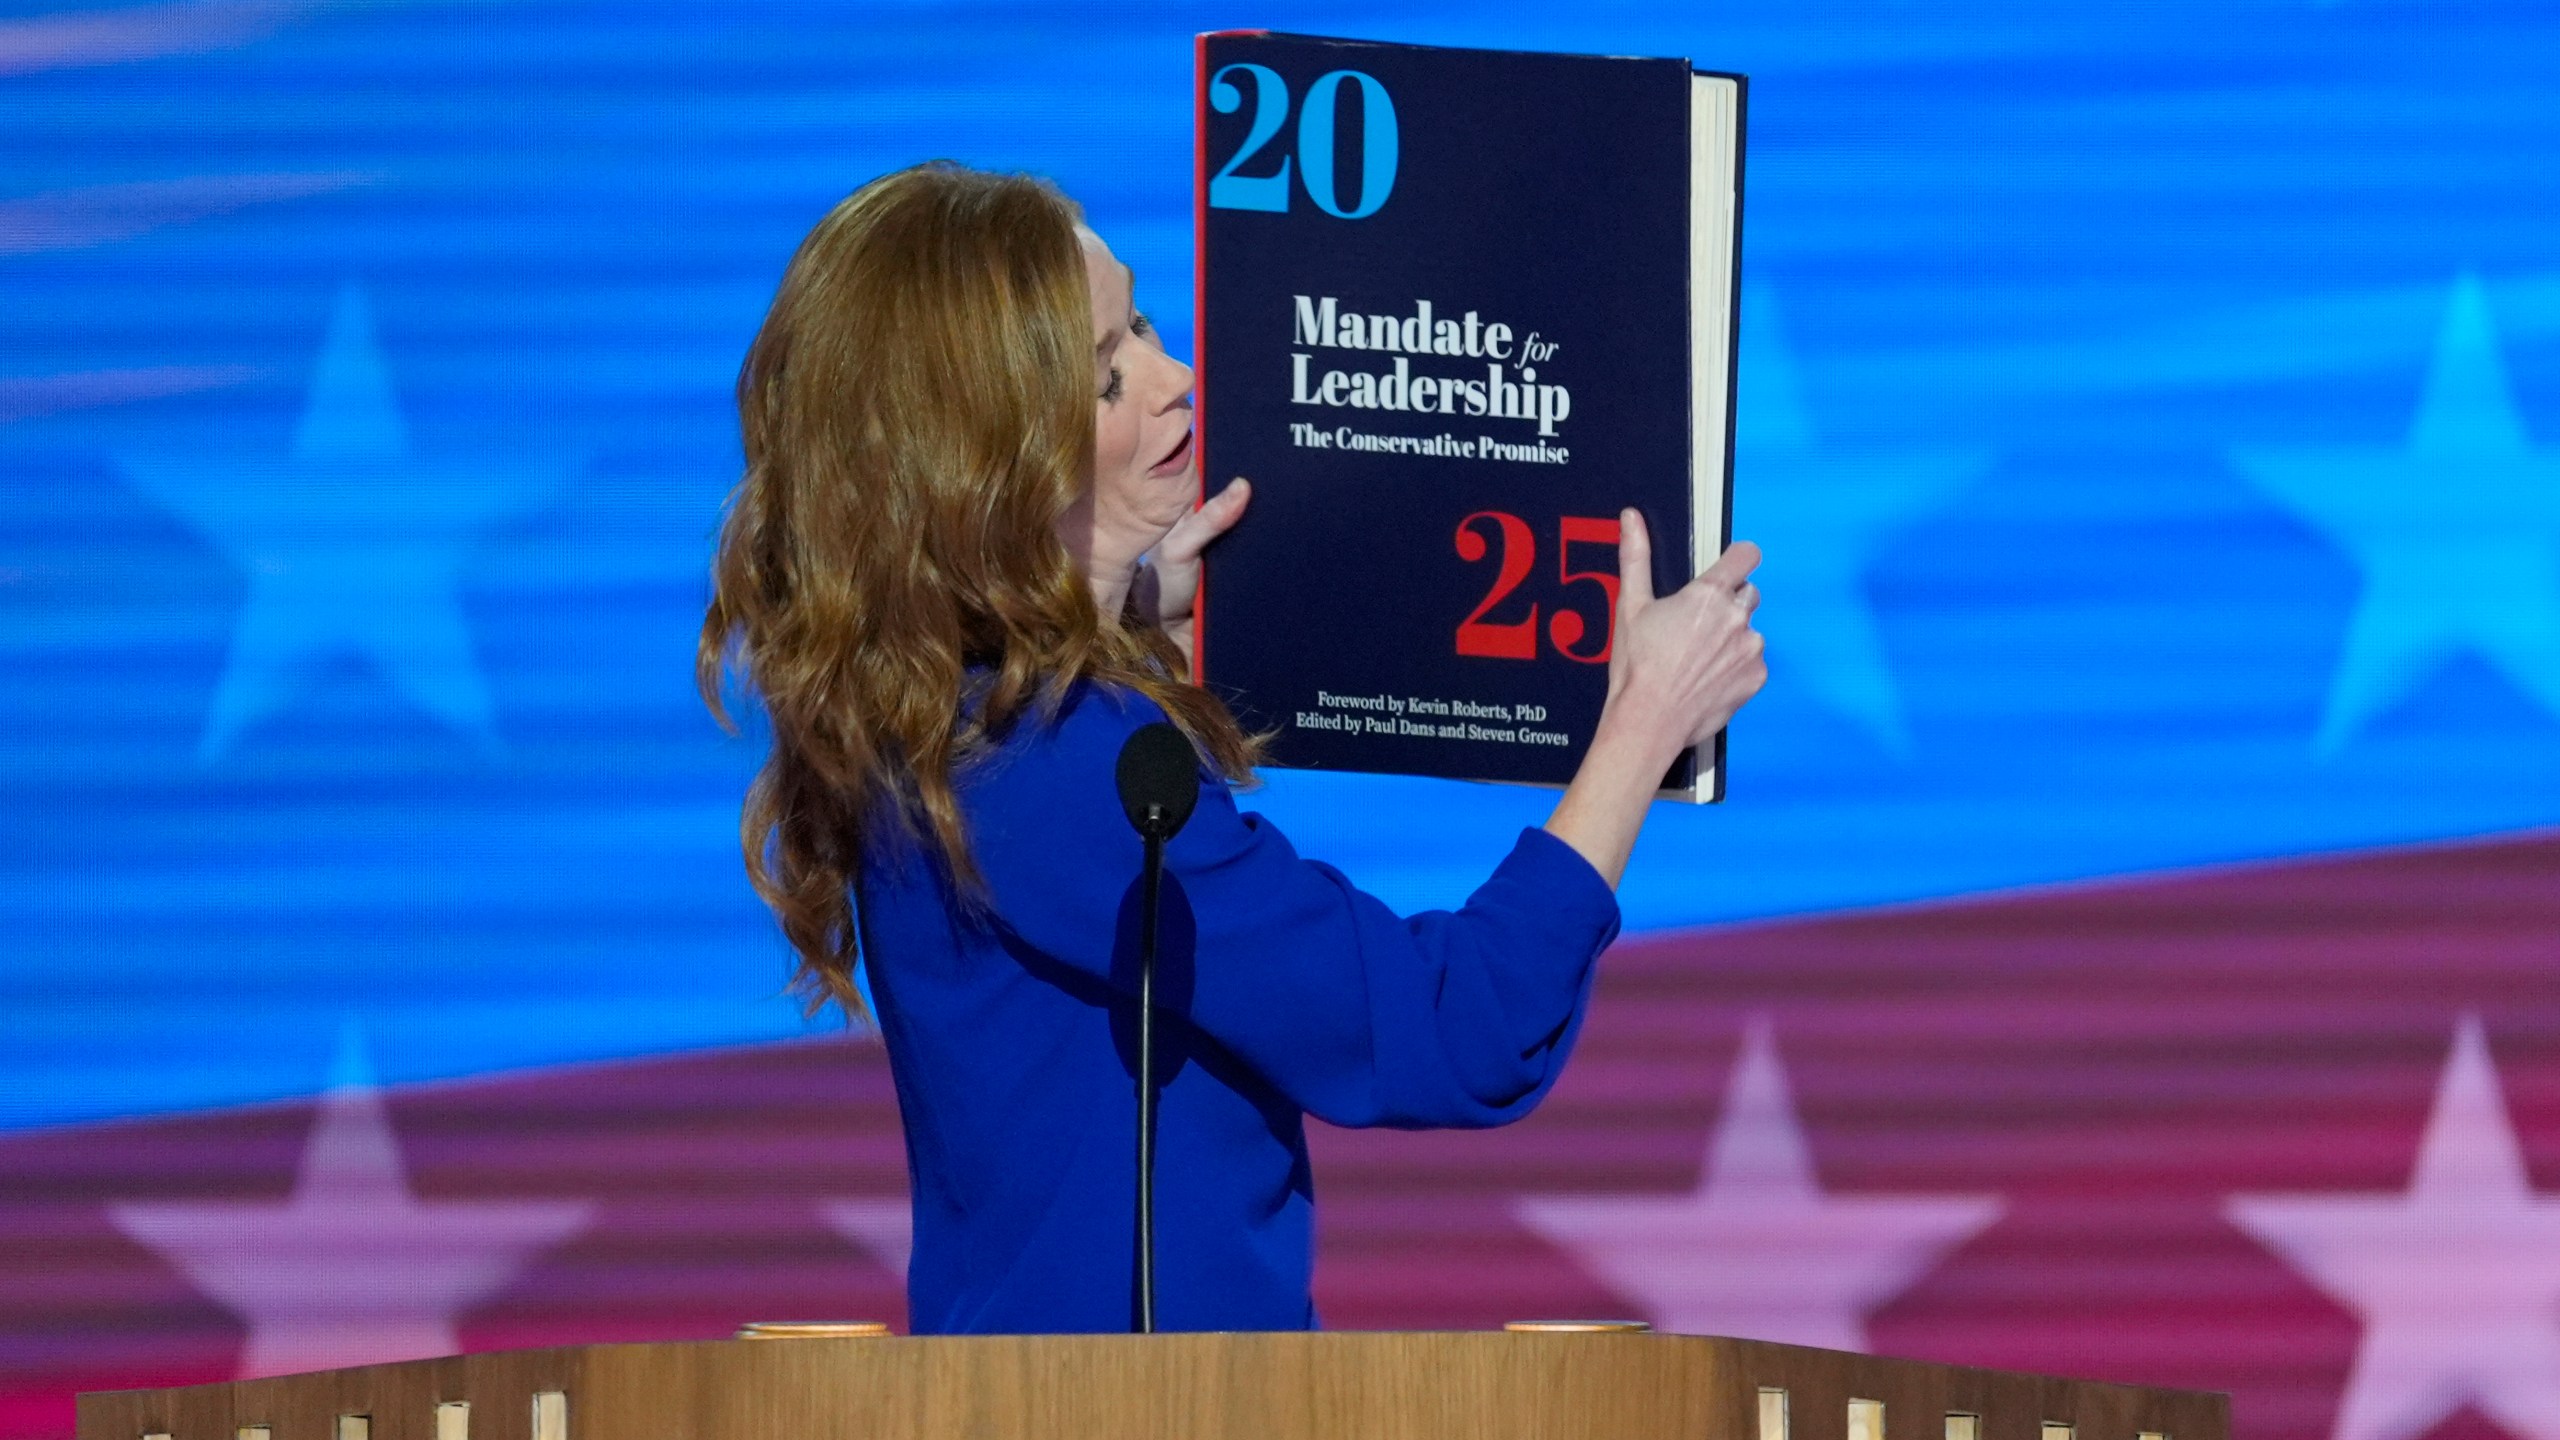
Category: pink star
[2457,1277]
[1757,1249]
[882,1226]
[353,1268]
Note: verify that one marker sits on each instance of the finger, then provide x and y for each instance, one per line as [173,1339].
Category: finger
[1635,563]
[1748,597]
[1219,513]
[1215,517]
[1734,566]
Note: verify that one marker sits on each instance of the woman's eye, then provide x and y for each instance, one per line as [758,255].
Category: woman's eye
[1111,392]
[1140,325]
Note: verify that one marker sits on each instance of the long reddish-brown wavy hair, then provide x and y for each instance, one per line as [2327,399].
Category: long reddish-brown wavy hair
[918,410]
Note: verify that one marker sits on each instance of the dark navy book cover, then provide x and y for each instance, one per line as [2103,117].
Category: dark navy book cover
[1446,329]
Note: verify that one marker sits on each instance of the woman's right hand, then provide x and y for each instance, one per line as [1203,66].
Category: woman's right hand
[1679,666]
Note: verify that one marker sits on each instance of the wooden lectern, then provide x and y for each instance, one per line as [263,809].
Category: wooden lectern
[1338,1386]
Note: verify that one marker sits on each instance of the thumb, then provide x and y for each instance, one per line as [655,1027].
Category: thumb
[1635,564]
[1635,589]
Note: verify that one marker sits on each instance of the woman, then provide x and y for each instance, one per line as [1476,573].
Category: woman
[962,442]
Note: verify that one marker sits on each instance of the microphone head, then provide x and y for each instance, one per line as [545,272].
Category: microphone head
[1159,780]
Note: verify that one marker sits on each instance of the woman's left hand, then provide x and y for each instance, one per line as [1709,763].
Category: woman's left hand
[1175,571]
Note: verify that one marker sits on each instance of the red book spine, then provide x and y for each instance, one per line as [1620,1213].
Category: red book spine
[1200,327]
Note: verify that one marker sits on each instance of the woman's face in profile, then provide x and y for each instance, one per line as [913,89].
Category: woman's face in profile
[1145,468]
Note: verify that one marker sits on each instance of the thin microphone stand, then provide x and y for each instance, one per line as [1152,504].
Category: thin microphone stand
[1154,877]
[1159,781]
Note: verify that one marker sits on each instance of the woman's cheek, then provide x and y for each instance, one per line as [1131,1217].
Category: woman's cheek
[1111,442]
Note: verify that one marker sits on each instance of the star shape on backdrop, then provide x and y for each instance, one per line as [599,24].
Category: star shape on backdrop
[353,1268]
[1757,1250]
[2457,532]
[2457,1277]
[1822,515]
[884,1226]
[350,546]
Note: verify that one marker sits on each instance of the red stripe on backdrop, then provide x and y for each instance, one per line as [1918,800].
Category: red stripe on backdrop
[2114,1062]
[2005,1131]
[705,1172]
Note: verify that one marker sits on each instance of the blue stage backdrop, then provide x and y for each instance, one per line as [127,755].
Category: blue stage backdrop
[2151,413]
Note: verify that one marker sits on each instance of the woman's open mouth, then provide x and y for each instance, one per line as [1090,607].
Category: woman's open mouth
[1176,459]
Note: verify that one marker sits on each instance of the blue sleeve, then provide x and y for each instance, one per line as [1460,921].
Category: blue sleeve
[1357,1015]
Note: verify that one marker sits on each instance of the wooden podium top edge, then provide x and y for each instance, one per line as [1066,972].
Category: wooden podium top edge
[1321,1338]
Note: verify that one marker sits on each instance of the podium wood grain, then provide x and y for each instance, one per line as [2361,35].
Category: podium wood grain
[1339,1386]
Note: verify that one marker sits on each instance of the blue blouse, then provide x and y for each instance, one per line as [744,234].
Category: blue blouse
[1282,992]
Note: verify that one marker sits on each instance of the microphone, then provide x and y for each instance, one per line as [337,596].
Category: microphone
[1159,780]
[1159,777]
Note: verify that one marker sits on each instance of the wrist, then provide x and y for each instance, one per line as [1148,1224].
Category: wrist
[1634,733]
[1611,792]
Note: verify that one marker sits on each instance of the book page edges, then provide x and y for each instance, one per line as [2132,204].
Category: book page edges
[1715,112]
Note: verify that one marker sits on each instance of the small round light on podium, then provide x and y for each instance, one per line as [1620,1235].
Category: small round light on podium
[1576,1327]
[812,1329]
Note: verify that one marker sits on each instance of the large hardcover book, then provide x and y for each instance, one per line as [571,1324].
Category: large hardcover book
[1457,308]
